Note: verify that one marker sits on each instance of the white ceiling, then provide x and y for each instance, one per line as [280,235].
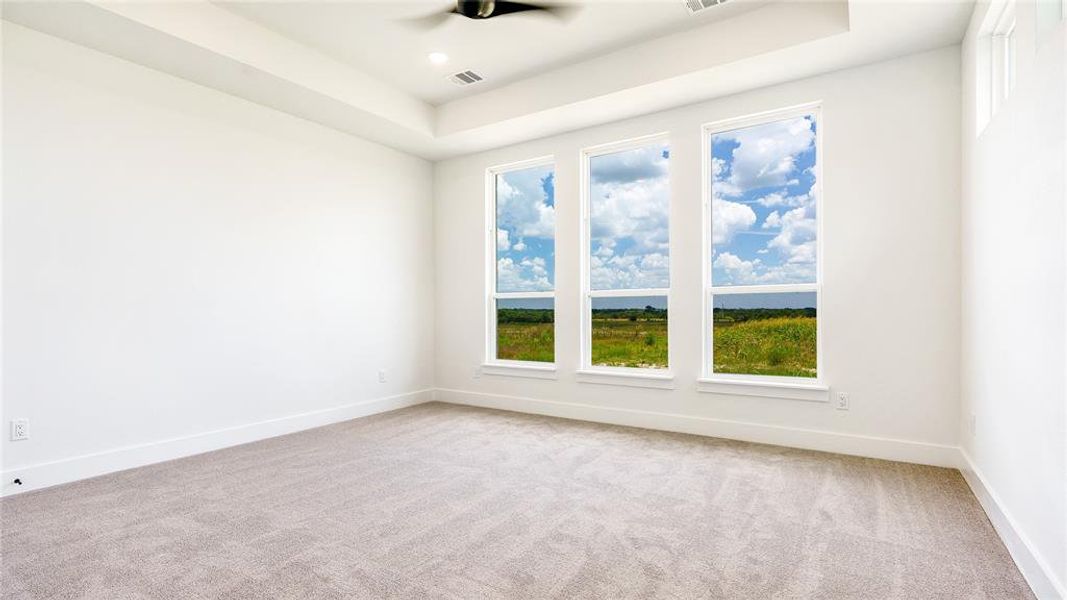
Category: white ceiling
[355,70]
[377,37]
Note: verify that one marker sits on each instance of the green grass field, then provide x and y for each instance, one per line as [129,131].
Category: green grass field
[750,342]
[784,346]
[621,337]
[622,342]
[525,341]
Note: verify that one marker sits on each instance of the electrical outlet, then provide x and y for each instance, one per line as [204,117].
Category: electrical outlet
[20,429]
[477,372]
[381,376]
[842,401]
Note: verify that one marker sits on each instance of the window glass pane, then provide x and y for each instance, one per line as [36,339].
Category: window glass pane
[763,199]
[765,334]
[525,329]
[630,332]
[629,208]
[526,230]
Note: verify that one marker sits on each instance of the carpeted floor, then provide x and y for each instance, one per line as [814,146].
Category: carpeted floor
[440,501]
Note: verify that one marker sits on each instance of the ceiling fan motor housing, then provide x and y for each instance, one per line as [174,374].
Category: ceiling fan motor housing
[476,9]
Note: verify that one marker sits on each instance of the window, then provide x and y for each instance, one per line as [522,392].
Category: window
[995,61]
[1004,60]
[625,256]
[522,251]
[762,248]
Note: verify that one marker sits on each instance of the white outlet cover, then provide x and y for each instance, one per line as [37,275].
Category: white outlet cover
[20,429]
[842,401]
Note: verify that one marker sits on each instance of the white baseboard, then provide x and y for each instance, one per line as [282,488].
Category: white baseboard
[827,441]
[1031,563]
[91,465]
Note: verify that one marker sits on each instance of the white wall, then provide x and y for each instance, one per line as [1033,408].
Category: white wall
[178,262]
[1013,319]
[891,257]
[183,270]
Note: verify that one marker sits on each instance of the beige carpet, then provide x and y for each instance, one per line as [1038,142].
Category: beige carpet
[440,501]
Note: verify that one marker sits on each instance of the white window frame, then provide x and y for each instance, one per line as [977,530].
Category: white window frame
[998,57]
[599,374]
[794,388]
[491,364]
[996,61]
[1005,43]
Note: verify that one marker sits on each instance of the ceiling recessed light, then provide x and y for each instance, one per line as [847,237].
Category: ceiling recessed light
[438,58]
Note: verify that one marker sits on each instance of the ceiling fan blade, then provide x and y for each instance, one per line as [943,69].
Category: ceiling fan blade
[563,12]
[429,21]
[504,7]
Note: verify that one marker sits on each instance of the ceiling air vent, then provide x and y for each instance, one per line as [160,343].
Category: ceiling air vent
[465,78]
[696,6]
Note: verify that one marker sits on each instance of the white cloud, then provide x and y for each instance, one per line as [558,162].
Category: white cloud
[765,156]
[529,275]
[536,265]
[792,251]
[718,167]
[783,199]
[629,271]
[544,226]
[728,218]
[731,269]
[793,254]
[638,208]
[737,268]
[524,211]
[646,162]
[629,220]
[522,204]
[795,243]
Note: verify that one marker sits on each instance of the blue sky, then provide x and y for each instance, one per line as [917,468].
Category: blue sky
[763,204]
[526,303]
[763,214]
[525,235]
[627,302]
[775,300]
[630,302]
[629,210]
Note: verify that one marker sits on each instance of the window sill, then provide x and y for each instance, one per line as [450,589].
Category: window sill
[787,390]
[662,380]
[519,369]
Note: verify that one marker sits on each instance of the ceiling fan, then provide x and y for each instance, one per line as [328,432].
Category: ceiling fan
[480,10]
